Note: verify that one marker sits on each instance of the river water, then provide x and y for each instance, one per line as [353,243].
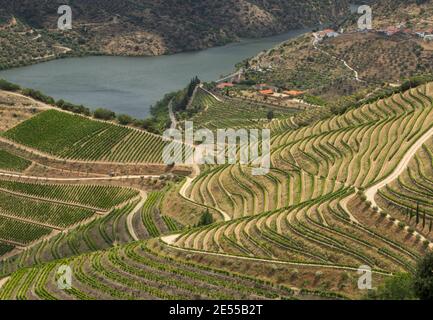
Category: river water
[132,84]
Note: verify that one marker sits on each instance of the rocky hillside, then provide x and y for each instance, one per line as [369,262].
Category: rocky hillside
[153,27]
[416,14]
[327,69]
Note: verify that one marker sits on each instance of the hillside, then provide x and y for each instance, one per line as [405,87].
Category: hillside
[349,186]
[306,226]
[147,27]
[416,14]
[327,69]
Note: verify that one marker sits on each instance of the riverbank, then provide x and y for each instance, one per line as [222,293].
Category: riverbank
[132,85]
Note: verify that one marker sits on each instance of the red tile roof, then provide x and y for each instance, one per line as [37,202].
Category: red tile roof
[268,92]
[225,85]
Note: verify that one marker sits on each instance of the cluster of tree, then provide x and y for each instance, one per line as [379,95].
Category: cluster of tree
[404,286]
[182,103]
[205,219]
[8,86]
[358,100]
[104,114]
[64,105]
[160,119]
[37,95]
[418,214]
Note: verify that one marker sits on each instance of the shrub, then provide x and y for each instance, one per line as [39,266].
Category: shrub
[124,119]
[401,225]
[37,95]
[104,114]
[423,280]
[398,287]
[205,219]
[294,274]
[8,86]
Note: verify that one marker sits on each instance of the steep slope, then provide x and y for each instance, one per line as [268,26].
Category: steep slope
[148,27]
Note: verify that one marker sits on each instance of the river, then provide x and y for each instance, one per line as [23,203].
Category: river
[132,84]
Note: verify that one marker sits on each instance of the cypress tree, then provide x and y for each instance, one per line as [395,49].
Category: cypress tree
[205,219]
[423,220]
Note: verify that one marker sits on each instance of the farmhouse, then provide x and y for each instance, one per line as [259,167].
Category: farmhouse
[294,93]
[225,85]
[267,92]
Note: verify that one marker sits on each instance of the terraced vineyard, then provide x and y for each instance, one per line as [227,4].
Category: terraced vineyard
[75,137]
[100,197]
[230,113]
[298,212]
[154,223]
[412,190]
[10,162]
[30,211]
[306,224]
[135,272]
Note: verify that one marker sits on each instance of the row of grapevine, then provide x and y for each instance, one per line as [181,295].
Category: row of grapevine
[78,138]
[95,196]
[135,271]
[10,162]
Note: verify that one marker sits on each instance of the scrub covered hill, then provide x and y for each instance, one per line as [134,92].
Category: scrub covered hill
[148,27]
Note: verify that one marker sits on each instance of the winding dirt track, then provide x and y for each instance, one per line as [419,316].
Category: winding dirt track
[133,212]
[372,191]
[3,281]
[173,120]
[169,240]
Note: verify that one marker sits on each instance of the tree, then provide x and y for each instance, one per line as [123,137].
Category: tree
[205,219]
[417,214]
[104,114]
[124,119]
[423,220]
[423,281]
[398,287]
[8,86]
[270,115]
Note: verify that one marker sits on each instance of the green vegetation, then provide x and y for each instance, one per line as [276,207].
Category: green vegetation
[10,162]
[101,197]
[213,114]
[205,219]
[397,287]
[423,281]
[139,272]
[18,232]
[53,214]
[8,86]
[76,137]
[104,114]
